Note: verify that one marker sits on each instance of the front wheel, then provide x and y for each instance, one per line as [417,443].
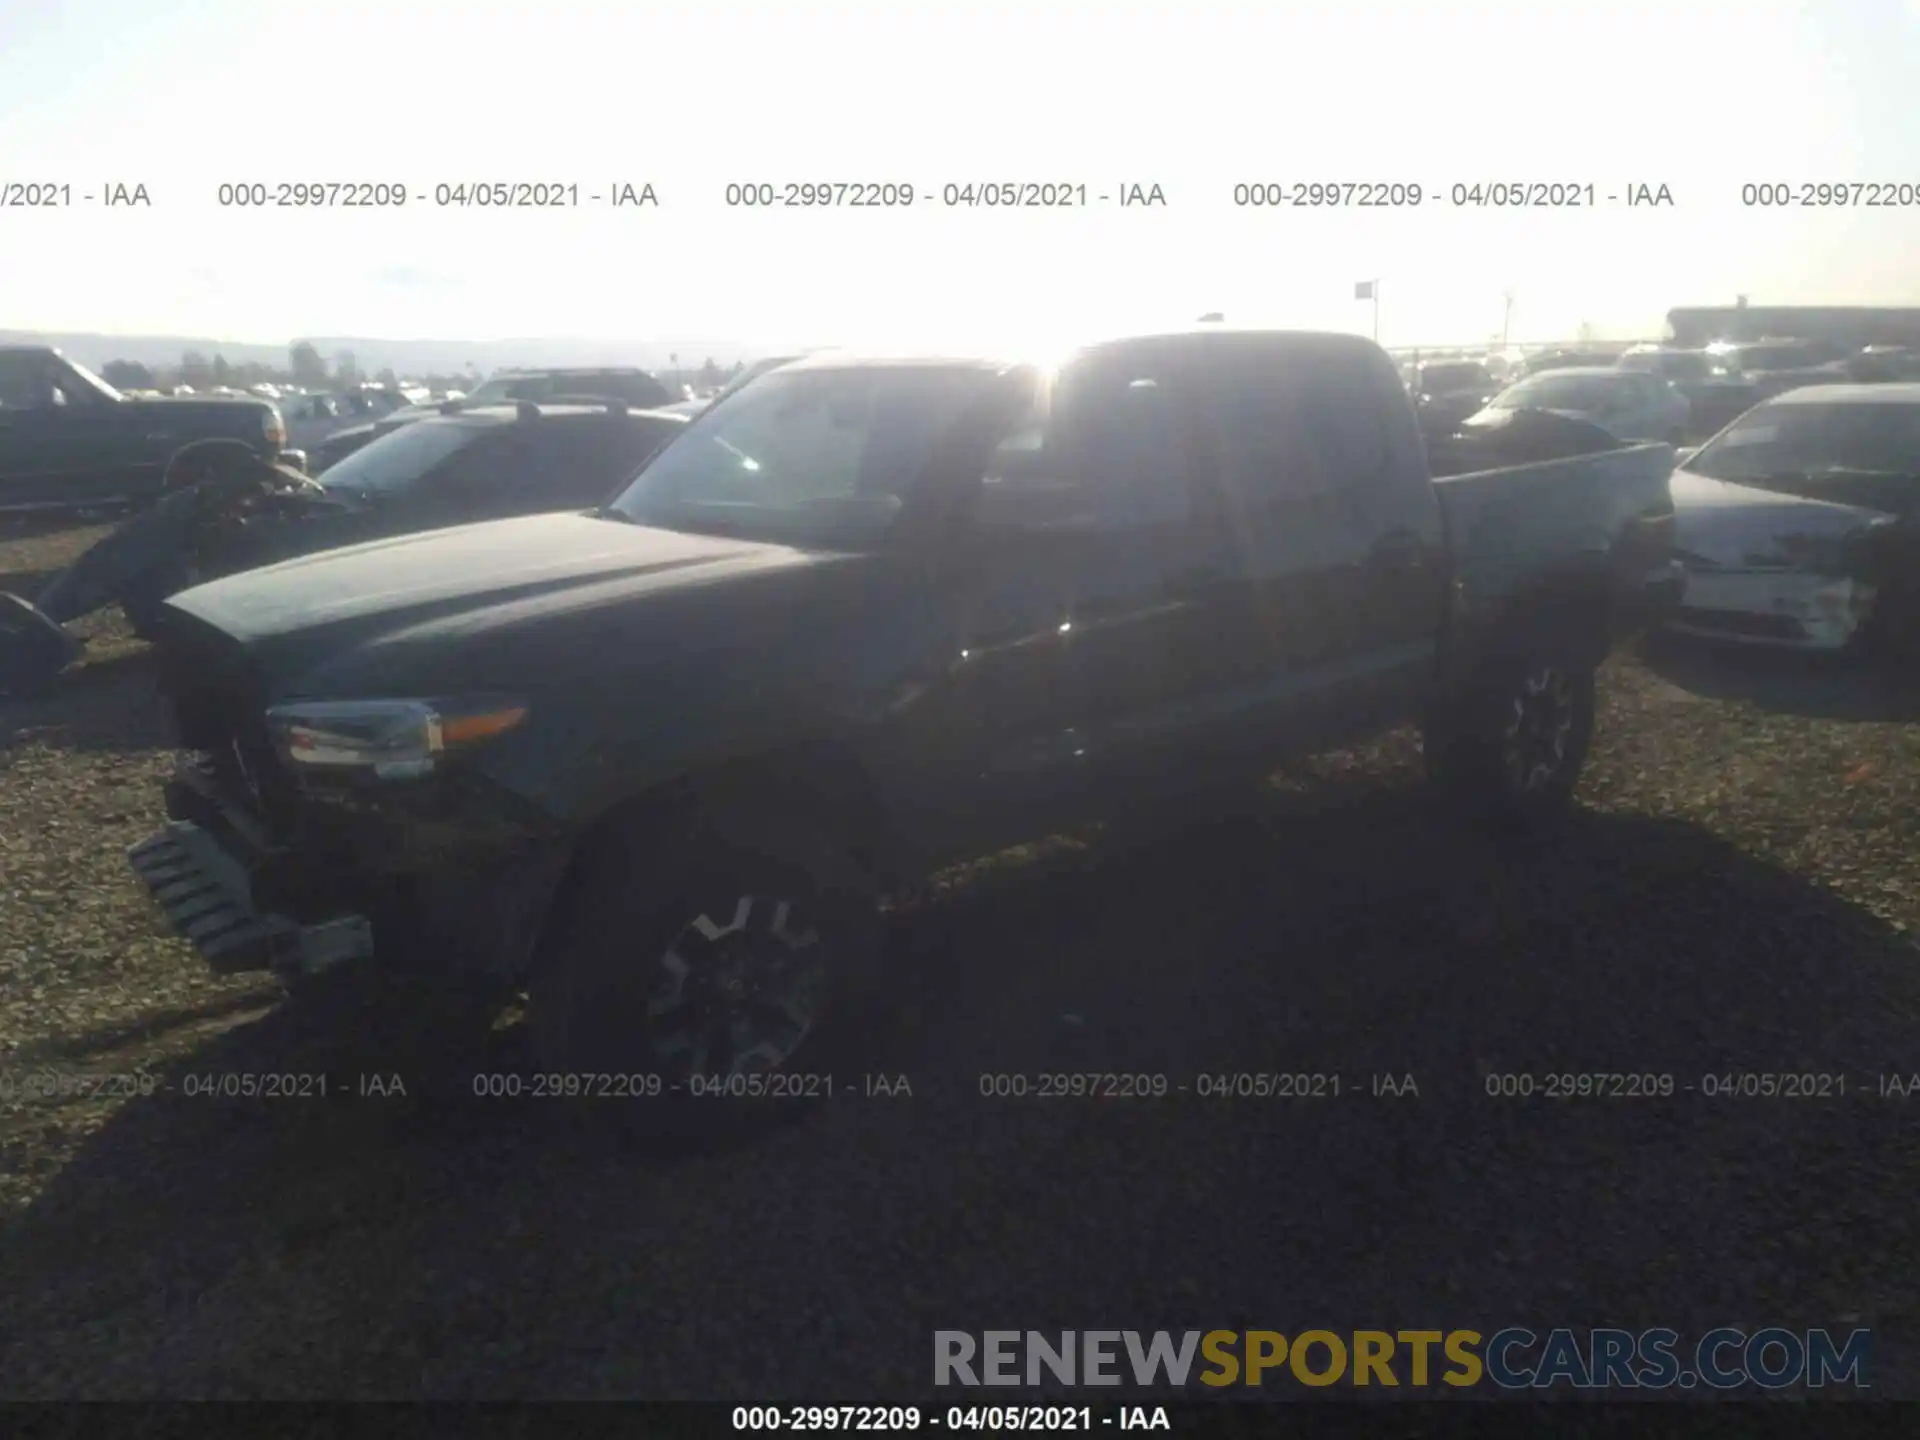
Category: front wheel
[1512,748]
[733,960]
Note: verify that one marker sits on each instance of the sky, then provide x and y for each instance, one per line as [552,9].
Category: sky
[1194,96]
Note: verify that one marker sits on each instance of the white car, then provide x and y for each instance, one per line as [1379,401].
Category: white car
[1627,404]
[1785,521]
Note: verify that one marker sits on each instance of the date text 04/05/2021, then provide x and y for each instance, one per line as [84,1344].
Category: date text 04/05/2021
[987,1418]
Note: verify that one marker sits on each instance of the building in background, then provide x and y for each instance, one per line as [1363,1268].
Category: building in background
[1695,326]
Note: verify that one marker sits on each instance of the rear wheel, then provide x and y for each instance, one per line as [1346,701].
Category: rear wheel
[730,965]
[1513,747]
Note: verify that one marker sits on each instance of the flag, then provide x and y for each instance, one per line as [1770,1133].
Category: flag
[1364,290]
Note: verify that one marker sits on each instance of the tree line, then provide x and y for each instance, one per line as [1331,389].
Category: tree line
[307,369]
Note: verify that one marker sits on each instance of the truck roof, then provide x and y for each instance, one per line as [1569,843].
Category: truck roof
[1208,336]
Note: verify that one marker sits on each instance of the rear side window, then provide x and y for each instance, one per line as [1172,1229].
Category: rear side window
[1122,431]
[1309,426]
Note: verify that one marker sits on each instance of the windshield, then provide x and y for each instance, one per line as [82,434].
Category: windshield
[1561,392]
[395,461]
[1792,446]
[1446,379]
[832,453]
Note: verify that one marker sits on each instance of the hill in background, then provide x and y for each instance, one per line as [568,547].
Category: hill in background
[406,357]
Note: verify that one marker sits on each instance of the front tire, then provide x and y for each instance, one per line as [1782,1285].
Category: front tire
[1512,748]
[734,957]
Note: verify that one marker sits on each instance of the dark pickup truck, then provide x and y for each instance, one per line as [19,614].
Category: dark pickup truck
[653,766]
[70,441]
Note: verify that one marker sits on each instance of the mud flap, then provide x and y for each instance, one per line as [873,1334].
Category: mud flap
[33,649]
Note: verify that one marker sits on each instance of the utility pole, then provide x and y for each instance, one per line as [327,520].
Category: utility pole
[1506,322]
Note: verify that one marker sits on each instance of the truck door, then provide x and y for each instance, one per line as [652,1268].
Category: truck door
[1084,645]
[1330,535]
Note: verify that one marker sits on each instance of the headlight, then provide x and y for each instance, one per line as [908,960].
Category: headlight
[273,428]
[1846,599]
[388,739]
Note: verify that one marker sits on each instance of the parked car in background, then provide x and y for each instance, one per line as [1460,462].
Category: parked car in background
[1563,360]
[627,383]
[476,465]
[1883,364]
[1773,367]
[1714,396]
[1681,367]
[752,372]
[1625,403]
[70,441]
[1799,524]
[311,418]
[1446,392]
[653,766]
[630,386]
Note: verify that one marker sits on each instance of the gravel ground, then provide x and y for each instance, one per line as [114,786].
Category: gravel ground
[1738,891]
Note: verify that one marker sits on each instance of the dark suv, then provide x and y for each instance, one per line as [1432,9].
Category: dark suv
[454,468]
[626,384]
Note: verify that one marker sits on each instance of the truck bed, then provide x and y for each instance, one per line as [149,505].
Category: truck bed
[1611,513]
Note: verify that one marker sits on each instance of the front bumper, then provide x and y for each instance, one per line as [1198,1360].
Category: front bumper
[1781,608]
[367,890]
[206,894]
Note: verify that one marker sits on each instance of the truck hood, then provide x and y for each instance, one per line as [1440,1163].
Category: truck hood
[1733,526]
[480,601]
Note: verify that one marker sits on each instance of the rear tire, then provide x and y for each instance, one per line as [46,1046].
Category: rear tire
[734,955]
[1512,748]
